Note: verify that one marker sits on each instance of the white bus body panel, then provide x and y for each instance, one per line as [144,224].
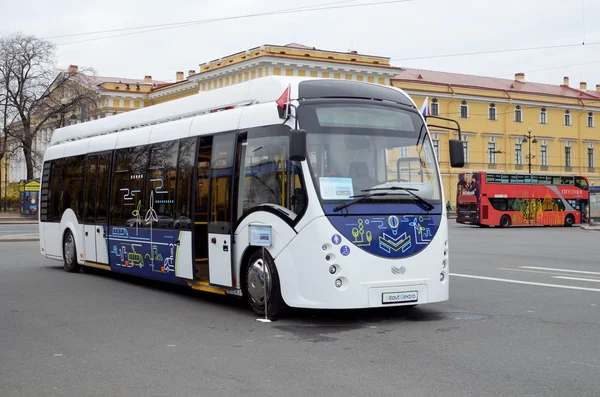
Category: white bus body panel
[219,259]
[306,282]
[90,242]
[101,245]
[184,266]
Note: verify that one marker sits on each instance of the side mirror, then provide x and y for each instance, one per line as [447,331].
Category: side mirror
[457,153]
[297,147]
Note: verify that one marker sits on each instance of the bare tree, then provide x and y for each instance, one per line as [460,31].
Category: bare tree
[39,96]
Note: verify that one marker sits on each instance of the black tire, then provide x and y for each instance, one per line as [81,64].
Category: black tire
[69,253]
[569,220]
[505,221]
[254,287]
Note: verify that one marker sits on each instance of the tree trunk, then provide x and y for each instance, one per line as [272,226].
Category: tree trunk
[27,144]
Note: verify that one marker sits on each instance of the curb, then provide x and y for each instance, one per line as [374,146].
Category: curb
[2,222]
[591,228]
[18,240]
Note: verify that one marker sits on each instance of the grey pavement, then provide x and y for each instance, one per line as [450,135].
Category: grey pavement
[14,232]
[522,320]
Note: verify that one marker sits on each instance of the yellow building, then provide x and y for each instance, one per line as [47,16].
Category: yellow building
[495,114]
[503,119]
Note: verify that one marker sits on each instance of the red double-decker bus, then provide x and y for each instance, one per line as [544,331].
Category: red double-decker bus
[503,199]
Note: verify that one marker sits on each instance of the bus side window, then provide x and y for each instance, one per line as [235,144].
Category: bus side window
[266,173]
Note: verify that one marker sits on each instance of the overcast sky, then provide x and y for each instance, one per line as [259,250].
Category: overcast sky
[417,28]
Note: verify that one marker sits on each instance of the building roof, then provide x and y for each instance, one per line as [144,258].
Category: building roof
[99,81]
[492,83]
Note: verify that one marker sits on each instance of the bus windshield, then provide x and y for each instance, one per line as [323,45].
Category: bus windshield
[354,147]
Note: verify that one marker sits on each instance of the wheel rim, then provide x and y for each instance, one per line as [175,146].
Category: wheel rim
[569,220]
[255,282]
[69,249]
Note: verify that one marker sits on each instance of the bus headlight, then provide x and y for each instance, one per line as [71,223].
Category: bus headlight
[442,276]
[338,283]
[332,269]
[444,263]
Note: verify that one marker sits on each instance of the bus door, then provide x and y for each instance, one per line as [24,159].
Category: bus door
[201,214]
[97,172]
[221,210]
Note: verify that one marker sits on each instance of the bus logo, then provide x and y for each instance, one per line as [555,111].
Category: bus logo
[400,270]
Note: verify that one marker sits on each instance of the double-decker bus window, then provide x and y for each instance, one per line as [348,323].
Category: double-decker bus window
[581,182]
[566,180]
[128,201]
[185,183]
[160,184]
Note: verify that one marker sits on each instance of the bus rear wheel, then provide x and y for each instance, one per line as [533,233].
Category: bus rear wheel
[569,220]
[254,286]
[505,221]
[69,253]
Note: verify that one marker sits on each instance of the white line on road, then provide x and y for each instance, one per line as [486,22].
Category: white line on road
[578,279]
[18,235]
[504,280]
[559,270]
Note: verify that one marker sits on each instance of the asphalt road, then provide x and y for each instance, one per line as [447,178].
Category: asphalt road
[508,332]
[18,230]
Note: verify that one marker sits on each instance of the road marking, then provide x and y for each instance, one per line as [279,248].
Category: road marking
[504,280]
[535,271]
[559,270]
[578,279]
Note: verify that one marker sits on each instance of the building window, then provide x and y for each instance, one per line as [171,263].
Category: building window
[591,156]
[436,146]
[544,153]
[518,114]
[464,110]
[519,152]
[568,155]
[492,151]
[435,107]
[466,149]
[543,116]
[492,112]
[567,118]
[590,120]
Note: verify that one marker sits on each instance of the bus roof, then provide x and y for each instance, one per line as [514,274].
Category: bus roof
[261,90]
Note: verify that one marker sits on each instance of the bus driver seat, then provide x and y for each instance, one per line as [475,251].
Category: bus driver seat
[359,172]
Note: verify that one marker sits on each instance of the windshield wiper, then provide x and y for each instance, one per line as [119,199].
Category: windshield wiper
[409,190]
[358,199]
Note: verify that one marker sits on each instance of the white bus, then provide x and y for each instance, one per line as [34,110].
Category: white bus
[342,173]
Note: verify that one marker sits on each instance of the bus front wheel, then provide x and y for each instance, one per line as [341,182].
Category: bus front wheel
[69,253]
[255,285]
[569,220]
[505,221]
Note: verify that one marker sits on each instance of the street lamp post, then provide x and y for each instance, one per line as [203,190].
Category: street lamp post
[527,138]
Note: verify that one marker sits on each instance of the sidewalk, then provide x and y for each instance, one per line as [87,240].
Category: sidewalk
[16,218]
[591,228]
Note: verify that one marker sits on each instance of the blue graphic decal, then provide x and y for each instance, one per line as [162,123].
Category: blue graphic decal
[336,239]
[392,236]
[145,252]
[345,250]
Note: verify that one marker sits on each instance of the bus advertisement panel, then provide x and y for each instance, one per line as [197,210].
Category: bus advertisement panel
[498,199]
